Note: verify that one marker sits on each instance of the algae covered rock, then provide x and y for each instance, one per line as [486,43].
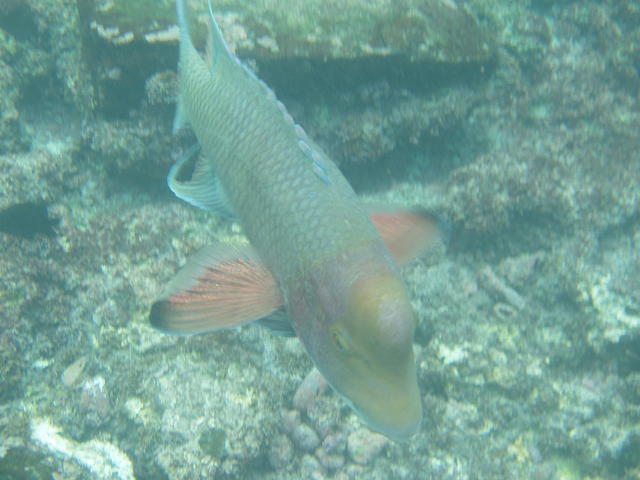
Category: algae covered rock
[20,66]
[41,59]
[431,30]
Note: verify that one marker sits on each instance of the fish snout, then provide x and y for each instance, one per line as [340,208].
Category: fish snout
[396,418]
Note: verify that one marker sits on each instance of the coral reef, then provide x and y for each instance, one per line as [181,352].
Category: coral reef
[364,120]
[375,123]
[20,64]
[436,30]
[529,327]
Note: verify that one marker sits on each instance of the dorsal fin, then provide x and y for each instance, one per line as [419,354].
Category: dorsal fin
[217,47]
[408,234]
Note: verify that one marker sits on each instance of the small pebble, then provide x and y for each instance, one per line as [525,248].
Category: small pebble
[504,311]
[305,438]
[494,283]
[290,420]
[364,445]
[352,470]
[280,452]
[330,461]
[94,396]
[334,443]
[72,373]
[309,463]
[312,386]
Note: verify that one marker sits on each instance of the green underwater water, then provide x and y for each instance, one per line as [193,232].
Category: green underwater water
[514,123]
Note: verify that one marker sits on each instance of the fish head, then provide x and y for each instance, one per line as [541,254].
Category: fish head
[374,341]
[365,352]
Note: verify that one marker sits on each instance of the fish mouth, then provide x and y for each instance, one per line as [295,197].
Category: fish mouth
[397,431]
[401,434]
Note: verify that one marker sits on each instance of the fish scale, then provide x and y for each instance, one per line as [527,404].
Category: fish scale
[268,178]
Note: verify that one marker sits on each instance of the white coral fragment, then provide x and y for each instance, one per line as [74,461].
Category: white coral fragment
[611,310]
[104,460]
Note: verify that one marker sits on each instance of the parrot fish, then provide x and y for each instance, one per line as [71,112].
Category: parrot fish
[319,265]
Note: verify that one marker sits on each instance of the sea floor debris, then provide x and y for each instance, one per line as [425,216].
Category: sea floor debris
[104,460]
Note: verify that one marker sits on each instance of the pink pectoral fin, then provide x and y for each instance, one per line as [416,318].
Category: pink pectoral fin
[407,234]
[219,287]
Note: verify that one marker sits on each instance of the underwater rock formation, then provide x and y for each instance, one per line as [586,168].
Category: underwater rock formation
[432,30]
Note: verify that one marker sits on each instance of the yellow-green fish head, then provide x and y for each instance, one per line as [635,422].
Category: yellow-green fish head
[371,362]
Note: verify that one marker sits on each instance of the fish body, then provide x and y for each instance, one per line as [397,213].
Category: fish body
[316,254]
[267,165]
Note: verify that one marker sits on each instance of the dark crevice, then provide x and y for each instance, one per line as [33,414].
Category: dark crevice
[625,356]
[421,163]
[19,23]
[131,67]
[524,232]
[298,78]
